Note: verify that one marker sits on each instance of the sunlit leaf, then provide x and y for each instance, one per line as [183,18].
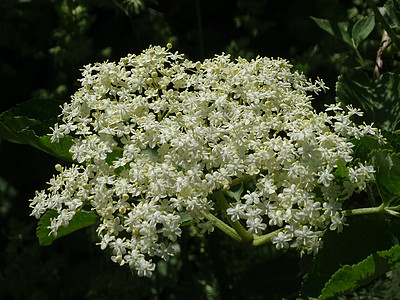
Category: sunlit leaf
[362,237]
[186,219]
[350,277]
[341,170]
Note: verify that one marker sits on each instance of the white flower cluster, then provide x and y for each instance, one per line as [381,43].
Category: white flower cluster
[156,134]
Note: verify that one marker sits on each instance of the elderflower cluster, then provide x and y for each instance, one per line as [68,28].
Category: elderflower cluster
[155,135]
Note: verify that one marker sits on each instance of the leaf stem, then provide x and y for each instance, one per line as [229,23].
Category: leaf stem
[359,57]
[246,237]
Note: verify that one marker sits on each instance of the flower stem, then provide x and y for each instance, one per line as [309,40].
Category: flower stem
[265,238]
[364,211]
[222,226]
[246,237]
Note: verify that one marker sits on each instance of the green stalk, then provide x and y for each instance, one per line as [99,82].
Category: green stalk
[222,226]
[265,239]
[359,57]
[246,237]
[364,211]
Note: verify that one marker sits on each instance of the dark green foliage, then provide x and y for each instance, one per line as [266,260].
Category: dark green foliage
[378,98]
[387,176]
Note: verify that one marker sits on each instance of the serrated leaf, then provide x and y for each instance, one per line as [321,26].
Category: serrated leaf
[362,28]
[28,137]
[29,123]
[364,146]
[81,220]
[349,278]
[377,98]
[41,109]
[362,237]
[387,166]
[337,29]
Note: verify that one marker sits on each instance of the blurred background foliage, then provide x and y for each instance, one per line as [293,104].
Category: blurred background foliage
[44,43]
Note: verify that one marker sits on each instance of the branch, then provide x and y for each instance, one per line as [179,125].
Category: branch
[223,226]
[246,237]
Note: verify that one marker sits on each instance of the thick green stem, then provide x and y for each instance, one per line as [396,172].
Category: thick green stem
[246,237]
[222,226]
[265,239]
[365,211]
[258,240]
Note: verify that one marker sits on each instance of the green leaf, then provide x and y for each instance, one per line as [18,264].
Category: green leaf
[362,237]
[362,28]
[377,98]
[387,166]
[364,146]
[393,140]
[81,220]
[349,278]
[40,109]
[337,29]
[390,14]
[341,171]
[113,156]
[152,154]
[29,123]
[186,219]
[235,192]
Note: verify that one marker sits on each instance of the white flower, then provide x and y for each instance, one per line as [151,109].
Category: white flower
[255,225]
[325,177]
[337,222]
[156,135]
[281,240]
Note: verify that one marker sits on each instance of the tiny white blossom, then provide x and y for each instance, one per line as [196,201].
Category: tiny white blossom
[325,177]
[281,240]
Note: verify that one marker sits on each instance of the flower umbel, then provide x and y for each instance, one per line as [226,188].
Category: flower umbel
[156,135]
